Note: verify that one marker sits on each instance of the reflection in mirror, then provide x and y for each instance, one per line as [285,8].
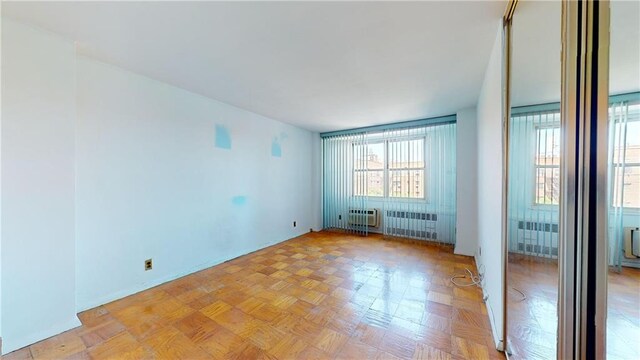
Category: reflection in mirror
[623,315]
[534,181]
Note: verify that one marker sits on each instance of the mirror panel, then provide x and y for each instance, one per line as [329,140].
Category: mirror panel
[623,303]
[534,181]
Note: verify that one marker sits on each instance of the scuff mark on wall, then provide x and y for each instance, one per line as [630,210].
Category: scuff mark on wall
[239,200]
[223,138]
[276,144]
[276,149]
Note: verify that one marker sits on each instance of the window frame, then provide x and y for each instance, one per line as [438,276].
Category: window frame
[615,165]
[534,194]
[366,169]
[386,169]
[613,184]
[632,99]
[409,169]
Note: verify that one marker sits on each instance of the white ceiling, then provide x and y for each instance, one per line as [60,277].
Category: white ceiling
[321,66]
[537,45]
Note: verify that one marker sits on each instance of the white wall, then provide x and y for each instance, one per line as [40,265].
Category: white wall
[102,168]
[152,184]
[466,183]
[38,239]
[489,210]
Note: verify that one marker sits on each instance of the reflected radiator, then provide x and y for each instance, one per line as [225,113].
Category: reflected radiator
[537,238]
[631,242]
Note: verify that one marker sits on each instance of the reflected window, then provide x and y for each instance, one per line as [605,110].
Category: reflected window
[547,166]
[626,156]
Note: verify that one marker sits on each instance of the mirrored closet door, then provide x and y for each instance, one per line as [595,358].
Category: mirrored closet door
[534,181]
[623,302]
[534,198]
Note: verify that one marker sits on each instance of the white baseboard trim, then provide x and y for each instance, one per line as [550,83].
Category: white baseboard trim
[10,344]
[498,342]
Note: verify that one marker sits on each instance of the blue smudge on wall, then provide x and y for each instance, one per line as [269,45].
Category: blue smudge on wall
[239,200]
[223,138]
[276,149]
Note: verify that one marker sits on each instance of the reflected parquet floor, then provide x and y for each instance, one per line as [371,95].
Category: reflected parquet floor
[533,322]
[319,296]
[623,314]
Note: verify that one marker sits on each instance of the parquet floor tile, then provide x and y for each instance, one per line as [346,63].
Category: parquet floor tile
[354,349]
[426,352]
[469,349]
[398,345]
[100,333]
[58,347]
[319,296]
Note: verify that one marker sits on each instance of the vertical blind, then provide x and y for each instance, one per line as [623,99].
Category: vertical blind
[534,182]
[623,175]
[398,181]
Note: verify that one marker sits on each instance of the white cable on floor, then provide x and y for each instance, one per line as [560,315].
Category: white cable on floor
[475,280]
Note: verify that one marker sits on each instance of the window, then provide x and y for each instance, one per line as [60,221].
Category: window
[626,162]
[406,168]
[547,166]
[368,175]
[401,161]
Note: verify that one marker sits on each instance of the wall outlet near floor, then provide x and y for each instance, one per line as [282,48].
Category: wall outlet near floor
[148,265]
[294,224]
[339,217]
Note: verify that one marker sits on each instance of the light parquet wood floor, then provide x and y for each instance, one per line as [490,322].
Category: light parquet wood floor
[320,296]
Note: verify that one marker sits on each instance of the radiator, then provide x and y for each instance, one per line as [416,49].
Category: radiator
[418,225]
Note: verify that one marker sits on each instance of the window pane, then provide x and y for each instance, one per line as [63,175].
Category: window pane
[548,185]
[369,182]
[406,183]
[548,146]
[406,154]
[631,186]
[632,141]
[369,156]
[626,150]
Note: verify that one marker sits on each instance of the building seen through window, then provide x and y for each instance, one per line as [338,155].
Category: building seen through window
[401,162]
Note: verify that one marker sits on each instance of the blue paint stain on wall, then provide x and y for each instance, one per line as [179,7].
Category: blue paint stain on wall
[276,149]
[239,200]
[223,138]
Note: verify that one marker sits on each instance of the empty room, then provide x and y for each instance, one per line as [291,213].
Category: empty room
[320,180]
